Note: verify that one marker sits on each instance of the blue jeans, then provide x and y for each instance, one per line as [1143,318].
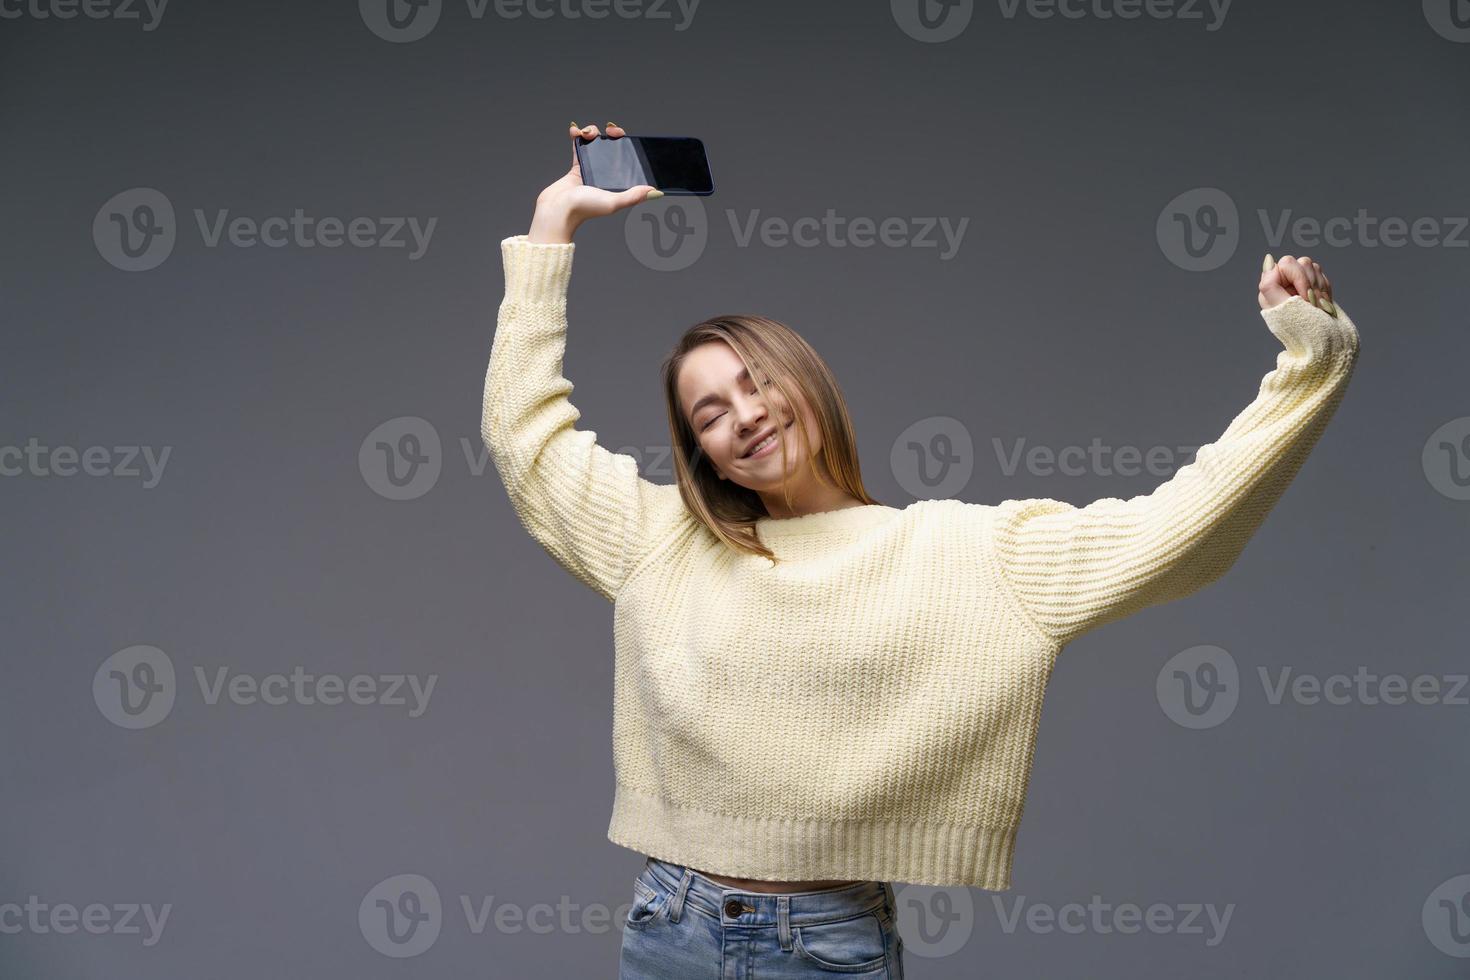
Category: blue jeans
[683,925]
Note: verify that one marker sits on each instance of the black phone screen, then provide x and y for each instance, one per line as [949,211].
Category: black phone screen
[673,164]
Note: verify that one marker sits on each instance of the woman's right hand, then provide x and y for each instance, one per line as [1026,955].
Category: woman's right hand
[564,205]
[1294,276]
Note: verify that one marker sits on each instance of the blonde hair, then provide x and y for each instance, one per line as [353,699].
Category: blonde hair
[771,350]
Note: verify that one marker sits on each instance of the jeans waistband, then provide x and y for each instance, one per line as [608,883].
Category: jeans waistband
[766,908]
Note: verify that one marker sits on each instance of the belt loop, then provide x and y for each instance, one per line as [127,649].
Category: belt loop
[677,906]
[783,921]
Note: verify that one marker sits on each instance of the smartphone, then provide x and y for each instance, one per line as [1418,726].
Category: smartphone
[673,164]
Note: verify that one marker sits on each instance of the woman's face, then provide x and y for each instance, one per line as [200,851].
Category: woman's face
[731,415]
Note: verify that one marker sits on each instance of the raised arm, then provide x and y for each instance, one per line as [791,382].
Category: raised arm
[1074,569]
[588,507]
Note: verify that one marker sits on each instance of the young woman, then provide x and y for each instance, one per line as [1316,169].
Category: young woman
[816,693]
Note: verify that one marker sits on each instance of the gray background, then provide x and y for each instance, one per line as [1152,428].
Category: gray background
[1061,318]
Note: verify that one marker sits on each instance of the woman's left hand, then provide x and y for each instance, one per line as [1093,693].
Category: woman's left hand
[1293,276]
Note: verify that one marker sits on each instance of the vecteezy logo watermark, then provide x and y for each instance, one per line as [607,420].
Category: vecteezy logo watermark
[1105,918]
[1200,229]
[149,13]
[403,915]
[1446,917]
[671,233]
[135,230]
[402,458]
[933,922]
[37,460]
[405,21]
[668,234]
[120,919]
[1450,19]
[1446,458]
[934,458]
[934,21]
[1200,687]
[136,688]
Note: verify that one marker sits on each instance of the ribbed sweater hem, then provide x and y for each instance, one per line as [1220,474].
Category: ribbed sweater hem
[774,849]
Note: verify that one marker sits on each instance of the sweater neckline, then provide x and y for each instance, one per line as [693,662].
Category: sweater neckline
[846,519]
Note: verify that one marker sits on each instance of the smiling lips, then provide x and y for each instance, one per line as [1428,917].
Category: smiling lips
[768,437]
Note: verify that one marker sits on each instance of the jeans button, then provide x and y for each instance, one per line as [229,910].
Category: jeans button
[733,908]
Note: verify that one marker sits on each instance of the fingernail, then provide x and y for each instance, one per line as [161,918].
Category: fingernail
[611,125]
[574,124]
[1267,263]
[1311,296]
[655,193]
[1329,306]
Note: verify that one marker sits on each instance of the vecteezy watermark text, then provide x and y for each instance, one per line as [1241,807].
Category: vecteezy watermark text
[136,688]
[37,460]
[1184,10]
[835,231]
[1104,918]
[403,915]
[1200,229]
[936,21]
[299,687]
[149,13]
[135,230]
[98,918]
[671,233]
[1096,458]
[1200,687]
[405,21]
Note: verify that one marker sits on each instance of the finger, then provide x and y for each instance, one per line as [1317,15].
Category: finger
[1290,273]
[1308,267]
[633,195]
[1324,291]
[1271,290]
[614,131]
[585,132]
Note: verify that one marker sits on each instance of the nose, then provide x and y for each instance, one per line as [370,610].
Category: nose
[751,411]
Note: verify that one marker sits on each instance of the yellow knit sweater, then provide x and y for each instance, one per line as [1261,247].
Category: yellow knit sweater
[867,708]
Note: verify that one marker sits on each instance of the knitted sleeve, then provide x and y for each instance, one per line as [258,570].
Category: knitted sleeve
[1074,569]
[586,506]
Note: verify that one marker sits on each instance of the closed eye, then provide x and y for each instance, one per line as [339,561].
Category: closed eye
[715,418]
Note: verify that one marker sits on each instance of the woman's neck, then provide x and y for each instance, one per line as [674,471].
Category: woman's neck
[817,500]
